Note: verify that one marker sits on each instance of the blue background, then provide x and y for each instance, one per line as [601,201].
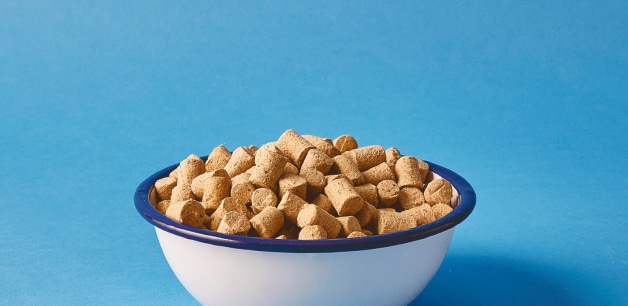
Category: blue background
[525,99]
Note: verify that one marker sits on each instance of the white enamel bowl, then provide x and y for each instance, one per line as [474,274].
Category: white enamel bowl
[389,269]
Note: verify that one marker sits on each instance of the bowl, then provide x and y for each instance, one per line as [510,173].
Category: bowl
[387,269]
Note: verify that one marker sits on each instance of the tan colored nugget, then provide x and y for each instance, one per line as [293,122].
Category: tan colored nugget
[441,209]
[268,222]
[217,159]
[290,168]
[388,192]
[289,230]
[261,198]
[316,159]
[294,146]
[290,205]
[163,187]
[368,192]
[326,145]
[392,155]
[438,191]
[422,214]
[311,214]
[190,168]
[367,215]
[269,165]
[407,172]
[199,182]
[182,192]
[241,188]
[368,156]
[424,169]
[346,166]
[312,232]
[216,189]
[226,205]
[162,206]
[356,235]
[348,225]
[378,173]
[346,200]
[241,160]
[345,143]
[188,212]
[293,183]
[410,197]
[323,202]
[315,181]
[234,223]
[389,222]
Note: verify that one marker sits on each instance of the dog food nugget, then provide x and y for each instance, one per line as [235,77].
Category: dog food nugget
[234,223]
[368,192]
[190,168]
[438,191]
[261,198]
[226,205]
[326,145]
[343,196]
[312,232]
[290,205]
[410,197]
[388,192]
[368,156]
[293,183]
[269,165]
[268,222]
[294,146]
[216,189]
[217,159]
[391,221]
[378,173]
[346,166]
[407,172]
[422,214]
[345,143]
[349,224]
[241,188]
[441,209]
[311,214]
[241,160]
[163,187]
[316,159]
[189,212]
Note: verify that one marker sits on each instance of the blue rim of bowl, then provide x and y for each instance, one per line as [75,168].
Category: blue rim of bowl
[460,212]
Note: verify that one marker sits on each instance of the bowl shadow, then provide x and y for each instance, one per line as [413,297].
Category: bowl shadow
[482,280]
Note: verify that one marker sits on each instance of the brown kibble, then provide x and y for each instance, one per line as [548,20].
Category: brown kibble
[290,168]
[294,146]
[268,222]
[438,191]
[349,224]
[164,186]
[368,192]
[388,192]
[312,232]
[217,159]
[182,192]
[261,198]
[234,223]
[407,172]
[289,230]
[392,155]
[293,183]
[241,188]
[345,143]
[190,168]
[315,182]
[311,214]
[366,215]
[346,166]
[346,200]
[422,214]
[368,156]
[162,206]
[410,197]
[188,212]
[323,202]
[216,189]
[367,232]
[226,205]
[199,182]
[424,169]
[389,222]
[269,165]
[378,173]
[241,160]
[290,205]
[316,159]
[441,209]
[326,145]
[356,235]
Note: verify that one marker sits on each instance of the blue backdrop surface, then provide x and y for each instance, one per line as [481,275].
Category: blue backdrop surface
[525,99]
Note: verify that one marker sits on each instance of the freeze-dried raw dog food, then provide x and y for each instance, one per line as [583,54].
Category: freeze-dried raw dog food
[304,187]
